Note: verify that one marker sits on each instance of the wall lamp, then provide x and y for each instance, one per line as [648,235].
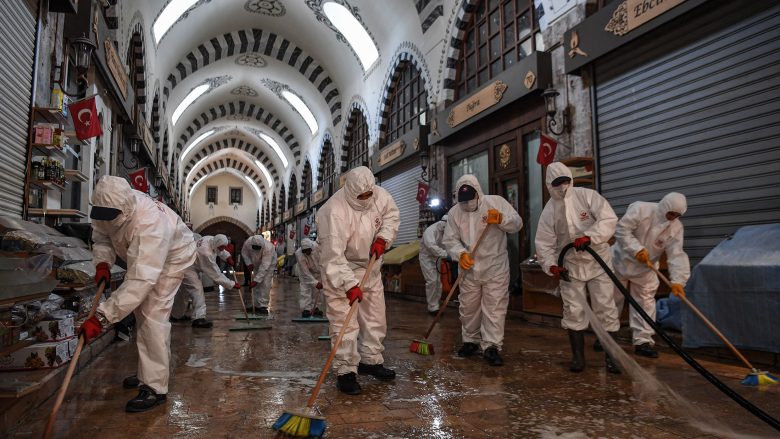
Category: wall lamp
[82,48]
[135,146]
[549,96]
[427,163]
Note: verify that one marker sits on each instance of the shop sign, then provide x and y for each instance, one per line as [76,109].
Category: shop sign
[631,14]
[300,207]
[115,67]
[288,215]
[481,101]
[145,132]
[392,152]
[278,220]
[318,196]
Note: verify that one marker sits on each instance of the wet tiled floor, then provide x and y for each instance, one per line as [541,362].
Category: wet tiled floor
[236,384]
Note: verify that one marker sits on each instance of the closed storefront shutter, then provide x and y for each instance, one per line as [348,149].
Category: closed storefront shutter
[17,27]
[695,108]
[401,182]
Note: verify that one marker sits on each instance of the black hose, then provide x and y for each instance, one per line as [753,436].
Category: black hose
[672,344]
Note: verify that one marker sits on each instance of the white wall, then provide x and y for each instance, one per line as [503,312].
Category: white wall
[246,212]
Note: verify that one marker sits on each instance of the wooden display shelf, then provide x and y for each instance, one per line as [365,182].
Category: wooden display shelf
[75,175]
[51,115]
[49,149]
[46,184]
[65,213]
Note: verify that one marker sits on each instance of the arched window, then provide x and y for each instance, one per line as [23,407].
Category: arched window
[280,201]
[306,189]
[292,193]
[135,60]
[356,140]
[328,171]
[407,100]
[499,34]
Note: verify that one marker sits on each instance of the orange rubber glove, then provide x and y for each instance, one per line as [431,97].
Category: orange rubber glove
[678,290]
[466,261]
[494,217]
[642,256]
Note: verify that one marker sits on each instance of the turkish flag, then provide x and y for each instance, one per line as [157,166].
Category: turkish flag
[546,153]
[306,229]
[85,119]
[138,180]
[422,192]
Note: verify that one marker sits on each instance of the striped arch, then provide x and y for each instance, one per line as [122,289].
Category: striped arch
[264,42]
[237,143]
[156,117]
[406,52]
[302,188]
[232,163]
[452,50]
[224,219]
[246,109]
[321,166]
[360,105]
[136,52]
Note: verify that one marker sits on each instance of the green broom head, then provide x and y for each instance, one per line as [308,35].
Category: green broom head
[421,347]
[759,378]
[299,424]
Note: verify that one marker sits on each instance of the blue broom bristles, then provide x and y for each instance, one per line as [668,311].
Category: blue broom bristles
[759,378]
[298,425]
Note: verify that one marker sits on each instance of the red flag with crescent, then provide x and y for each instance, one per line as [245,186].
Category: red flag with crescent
[422,192]
[306,229]
[138,180]
[546,153]
[85,118]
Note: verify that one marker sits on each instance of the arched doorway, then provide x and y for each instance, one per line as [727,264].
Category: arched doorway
[235,232]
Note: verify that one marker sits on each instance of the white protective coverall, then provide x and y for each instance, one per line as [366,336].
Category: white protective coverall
[644,226]
[158,248]
[308,275]
[191,285]
[347,227]
[484,289]
[431,253]
[581,212]
[263,262]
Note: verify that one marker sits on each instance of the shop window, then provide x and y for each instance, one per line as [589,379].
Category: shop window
[292,194]
[499,34]
[357,140]
[477,165]
[407,100]
[211,194]
[236,195]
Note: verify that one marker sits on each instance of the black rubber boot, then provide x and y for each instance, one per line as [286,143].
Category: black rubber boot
[597,347]
[262,310]
[612,367]
[306,314]
[317,313]
[378,371]
[577,341]
[646,350]
[468,349]
[201,323]
[492,357]
[145,400]
[131,382]
[348,384]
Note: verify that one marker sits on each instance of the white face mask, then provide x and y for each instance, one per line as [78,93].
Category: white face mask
[471,205]
[363,204]
[558,192]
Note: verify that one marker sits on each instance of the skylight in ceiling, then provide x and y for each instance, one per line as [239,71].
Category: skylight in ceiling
[168,17]
[266,173]
[302,109]
[191,97]
[257,189]
[269,140]
[353,31]
[194,143]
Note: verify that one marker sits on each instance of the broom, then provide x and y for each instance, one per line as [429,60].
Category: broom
[71,367]
[421,346]
[249,326]
[304,423]
[755,377]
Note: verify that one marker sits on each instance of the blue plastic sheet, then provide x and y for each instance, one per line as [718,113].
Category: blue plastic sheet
[737,286]
[668,313]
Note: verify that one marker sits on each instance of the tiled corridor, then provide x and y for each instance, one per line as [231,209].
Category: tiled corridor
[235,384]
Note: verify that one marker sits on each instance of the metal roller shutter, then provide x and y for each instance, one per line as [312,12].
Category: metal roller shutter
[401,182]
[696,110]
[17,32]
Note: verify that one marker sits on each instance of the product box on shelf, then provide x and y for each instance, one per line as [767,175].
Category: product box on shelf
[48,355]
[54,330]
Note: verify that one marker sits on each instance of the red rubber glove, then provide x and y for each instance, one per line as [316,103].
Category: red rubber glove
[250,267]
[230,261]
[252,284]
[354,293]
[90,329]
[237,286]
[582,243]
[102,273]
[377,248]
[556,270]
[319,285]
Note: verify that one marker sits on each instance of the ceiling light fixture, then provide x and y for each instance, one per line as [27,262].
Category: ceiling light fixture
[168,17]
[302,109]
[354,32]
[191,97]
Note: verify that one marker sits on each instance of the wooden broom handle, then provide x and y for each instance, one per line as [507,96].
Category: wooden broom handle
[461,273]
[71,367]
[352,309]
[704,319]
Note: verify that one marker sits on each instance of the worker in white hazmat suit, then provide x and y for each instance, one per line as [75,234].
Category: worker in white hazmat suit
[358,221]
[484,288]
[158,248]
[209,249]
[644,233]
[259,257]
[584,217]
[308,266]
[432,252]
